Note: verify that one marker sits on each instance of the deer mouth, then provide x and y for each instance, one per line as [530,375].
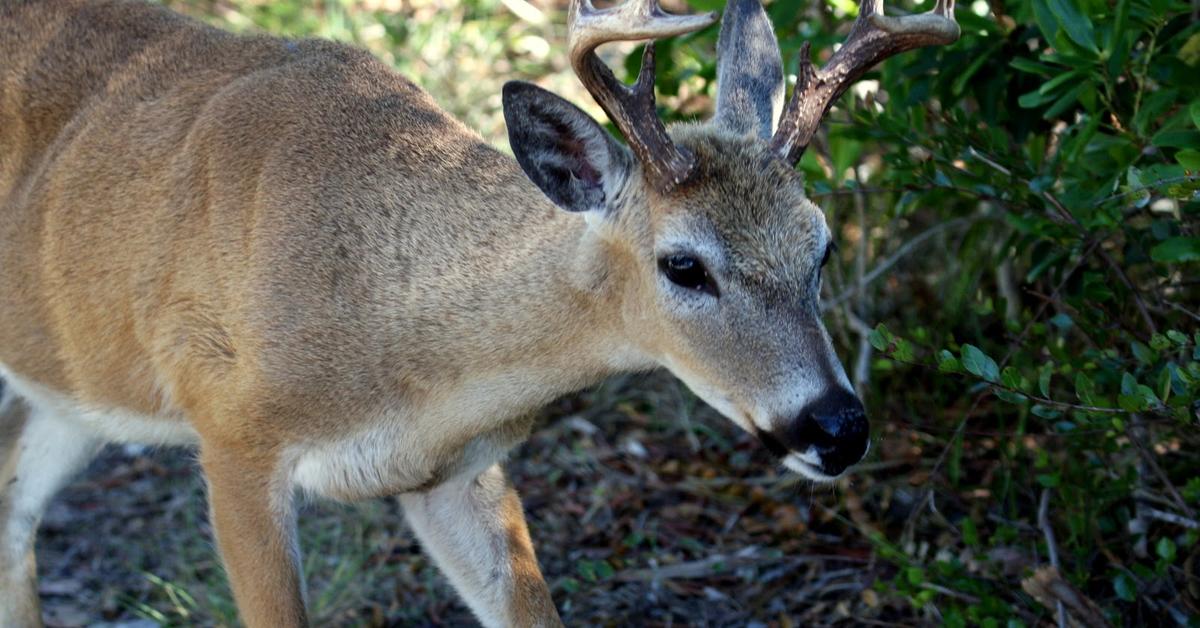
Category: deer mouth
[807,463]
[800,463]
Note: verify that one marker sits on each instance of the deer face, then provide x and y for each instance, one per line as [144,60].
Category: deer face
[732,264]
[720,274]
[726,248]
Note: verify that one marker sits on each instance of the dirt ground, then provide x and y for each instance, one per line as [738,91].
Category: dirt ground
[646,508]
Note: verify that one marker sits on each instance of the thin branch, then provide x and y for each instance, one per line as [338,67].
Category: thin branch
[719,563]
[1184,310]
[937,588]
[1150,186]
[1137,434]
[862,360]
[891,260]
[1043,518]
[1137,297]
[1171,517]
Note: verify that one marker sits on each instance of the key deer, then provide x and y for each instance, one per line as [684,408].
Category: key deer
[287,256]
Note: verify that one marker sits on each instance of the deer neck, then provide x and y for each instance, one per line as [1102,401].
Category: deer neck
[541,309]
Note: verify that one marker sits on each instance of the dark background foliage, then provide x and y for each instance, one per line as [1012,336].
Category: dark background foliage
[1015,295]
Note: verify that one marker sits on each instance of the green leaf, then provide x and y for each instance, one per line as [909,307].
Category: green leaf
[1048,480]
[1189,158]
[604,570]
[978,363]
[1085,388]
[1011,377]
[914,575]
[947,363]
[1044,375]
[1064,102]
[1177,337]
[1033,67]
[1171,138]
[969,532]
[1118,29]
[1046,412]
[1149,399]
[1033,99]
[1165,548]
[1158,342]
[1164,384]
[1125,587]
[1053,84]
[1135,397]
[960,83]
[1062,321]
[1177,249]
[1128,384]
[1075,23]
[880,337]
[1045,20]
[1195,110]
[587,570]
[1144,354]
[1130,403]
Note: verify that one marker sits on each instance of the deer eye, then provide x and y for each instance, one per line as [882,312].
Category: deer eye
[687,272]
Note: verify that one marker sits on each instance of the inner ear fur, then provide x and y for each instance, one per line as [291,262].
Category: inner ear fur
[562,150]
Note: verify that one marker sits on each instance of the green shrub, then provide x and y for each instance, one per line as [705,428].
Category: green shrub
[1020,209]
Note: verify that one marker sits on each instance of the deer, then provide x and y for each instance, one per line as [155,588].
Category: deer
[285,256]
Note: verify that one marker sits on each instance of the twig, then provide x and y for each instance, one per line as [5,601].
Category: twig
[891,260]
[1184,310]
[1171,517]
[862,361]
[1043,518]
[1137,296]
[981,157]
[1007,287]
[1137,434]
[1048,587]
[1153,185]
[1012,346]
[716,564]
[969,599]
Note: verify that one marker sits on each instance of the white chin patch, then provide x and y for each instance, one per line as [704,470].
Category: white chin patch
[808,465]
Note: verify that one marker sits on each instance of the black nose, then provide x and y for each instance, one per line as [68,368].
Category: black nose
[836,426]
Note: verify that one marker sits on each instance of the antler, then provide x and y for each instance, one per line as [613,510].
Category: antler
[873,38]
[632,109]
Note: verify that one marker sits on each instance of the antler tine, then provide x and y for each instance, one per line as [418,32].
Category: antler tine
[873,38]
[632,110]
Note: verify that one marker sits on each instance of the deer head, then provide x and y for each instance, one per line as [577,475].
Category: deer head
[706,226]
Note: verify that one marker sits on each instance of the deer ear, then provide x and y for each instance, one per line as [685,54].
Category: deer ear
[749,71]
[570,157]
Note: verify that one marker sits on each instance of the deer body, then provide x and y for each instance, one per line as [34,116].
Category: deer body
[287,255]
[347,268]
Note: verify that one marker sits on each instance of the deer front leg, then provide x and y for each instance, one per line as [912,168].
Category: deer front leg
[475,530]
[254,522]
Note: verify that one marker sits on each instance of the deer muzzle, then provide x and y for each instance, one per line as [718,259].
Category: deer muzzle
[825,438]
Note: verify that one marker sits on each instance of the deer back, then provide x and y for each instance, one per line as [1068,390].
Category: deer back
[287,215]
